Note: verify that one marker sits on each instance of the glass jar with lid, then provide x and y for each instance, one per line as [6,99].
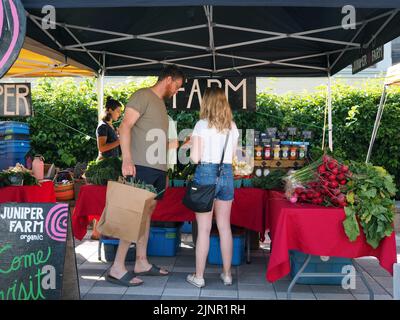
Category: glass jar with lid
[285,152]
[258,151]
[277,151]
[302,152]
[293,153]
[267,152]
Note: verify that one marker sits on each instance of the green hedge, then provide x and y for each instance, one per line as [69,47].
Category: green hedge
[354,110]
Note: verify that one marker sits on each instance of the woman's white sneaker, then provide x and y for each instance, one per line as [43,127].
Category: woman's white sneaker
[198,282]
[227,280]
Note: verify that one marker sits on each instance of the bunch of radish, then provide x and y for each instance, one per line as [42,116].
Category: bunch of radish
[321,183]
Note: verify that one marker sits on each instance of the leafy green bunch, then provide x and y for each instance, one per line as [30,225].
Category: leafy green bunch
[142,185]
[100,171]
[6,176]
[182,172]
[370,199]
[272,181]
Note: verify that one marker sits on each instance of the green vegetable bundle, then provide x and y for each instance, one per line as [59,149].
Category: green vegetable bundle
[142,185]
[19,171]
[370,199]
[100,171]
[271,181]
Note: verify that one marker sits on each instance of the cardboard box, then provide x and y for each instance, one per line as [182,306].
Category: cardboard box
[126,212]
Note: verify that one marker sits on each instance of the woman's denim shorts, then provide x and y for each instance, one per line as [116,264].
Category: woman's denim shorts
[206,173]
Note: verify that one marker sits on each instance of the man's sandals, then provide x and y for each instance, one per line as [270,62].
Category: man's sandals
[154,271]
[125,280]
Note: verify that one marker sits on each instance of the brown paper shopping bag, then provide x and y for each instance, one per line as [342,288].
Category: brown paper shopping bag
[126,212]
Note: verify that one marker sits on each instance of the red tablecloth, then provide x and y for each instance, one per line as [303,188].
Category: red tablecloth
[248,208]
[43,193]
[315,230]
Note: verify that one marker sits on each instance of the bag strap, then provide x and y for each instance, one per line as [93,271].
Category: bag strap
[223,154]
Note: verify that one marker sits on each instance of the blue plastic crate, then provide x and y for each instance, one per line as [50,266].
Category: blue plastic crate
[6,162]
[14,147]
[163,242]
[186,227]
[13,127]
[110,246]
[238,256]
[316,265]
[9,137]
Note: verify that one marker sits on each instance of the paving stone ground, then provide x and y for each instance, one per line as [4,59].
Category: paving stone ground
[249,279]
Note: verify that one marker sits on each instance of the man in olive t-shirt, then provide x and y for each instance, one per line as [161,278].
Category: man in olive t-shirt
[153,122]
[144,139]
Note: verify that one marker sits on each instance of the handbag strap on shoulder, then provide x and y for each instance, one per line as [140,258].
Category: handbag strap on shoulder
[223,155]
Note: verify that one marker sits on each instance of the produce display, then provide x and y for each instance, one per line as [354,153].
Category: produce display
[366,193]
[17,176]
[272,181]
[241,167]
[322,182]
[370,199]
[100,171]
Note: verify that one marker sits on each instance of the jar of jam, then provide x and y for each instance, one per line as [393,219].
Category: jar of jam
[293,153]
[277,151]
[267,152]
[258,151]
[302,152]
[285,152]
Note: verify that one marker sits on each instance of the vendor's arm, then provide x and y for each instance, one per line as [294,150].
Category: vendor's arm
[103,146]
[130,118]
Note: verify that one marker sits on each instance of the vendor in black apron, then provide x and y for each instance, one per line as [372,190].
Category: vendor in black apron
[107,139]
[107,136]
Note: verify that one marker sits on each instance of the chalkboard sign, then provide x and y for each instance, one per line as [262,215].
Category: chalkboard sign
[240,92]
[32,250]
[12,32]
[15,100]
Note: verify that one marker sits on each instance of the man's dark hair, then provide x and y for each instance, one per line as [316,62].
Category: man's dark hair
[171,71]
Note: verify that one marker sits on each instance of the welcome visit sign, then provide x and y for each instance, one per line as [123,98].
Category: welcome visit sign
[32,250]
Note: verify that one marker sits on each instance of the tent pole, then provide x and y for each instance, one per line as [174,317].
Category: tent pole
[100,93]
[330,138]
[377,123]
[100,88]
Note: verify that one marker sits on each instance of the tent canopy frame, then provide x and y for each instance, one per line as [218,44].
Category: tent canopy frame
[212,50]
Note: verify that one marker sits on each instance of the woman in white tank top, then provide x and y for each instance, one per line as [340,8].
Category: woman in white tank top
[207,144]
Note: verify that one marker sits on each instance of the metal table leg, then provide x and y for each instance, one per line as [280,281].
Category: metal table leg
[297,276]
[363,279]
[310,274]
[99,250]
